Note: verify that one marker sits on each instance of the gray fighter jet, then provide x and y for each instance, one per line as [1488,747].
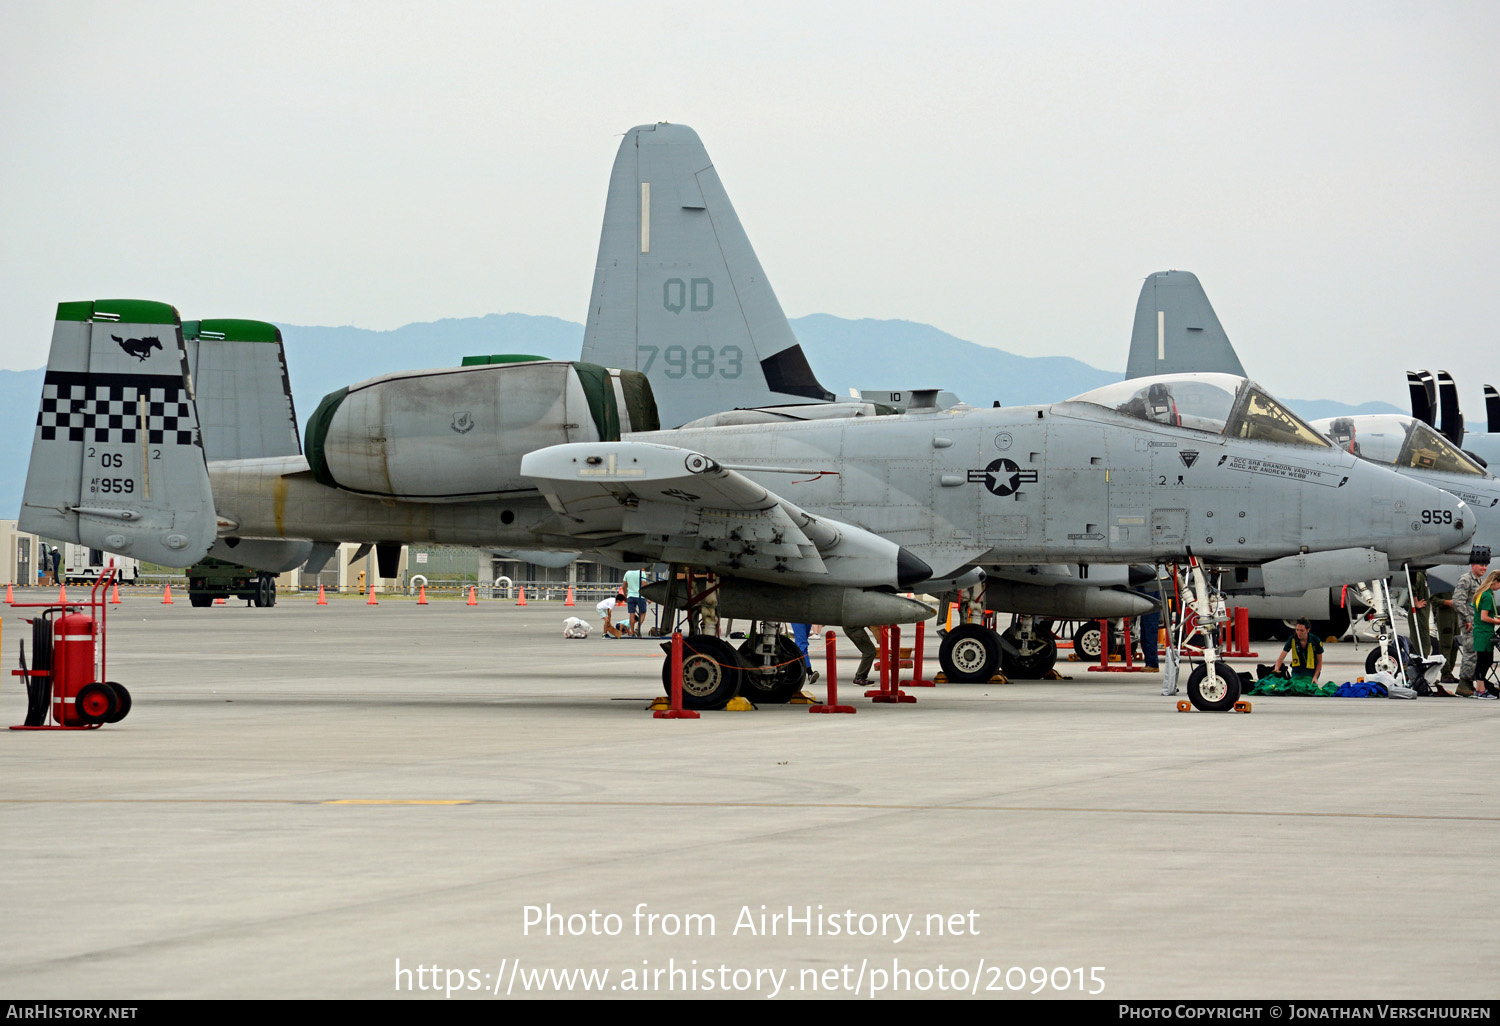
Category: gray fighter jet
[1175,327]
[671,234]
[809,520]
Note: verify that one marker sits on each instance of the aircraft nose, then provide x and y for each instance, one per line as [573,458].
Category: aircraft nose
[1432,521]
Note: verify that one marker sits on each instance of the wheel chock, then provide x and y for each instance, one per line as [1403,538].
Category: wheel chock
[999,678]
[940,678]
[1185,706]
[739,704]
[658,704]
[803,698]
[1054,675]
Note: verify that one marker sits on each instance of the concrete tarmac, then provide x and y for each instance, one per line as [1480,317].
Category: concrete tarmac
[358,802]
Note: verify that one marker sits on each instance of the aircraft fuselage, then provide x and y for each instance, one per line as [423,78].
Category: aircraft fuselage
[1068,482]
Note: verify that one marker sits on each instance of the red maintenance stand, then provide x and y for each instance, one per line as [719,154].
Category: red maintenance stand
[65,687]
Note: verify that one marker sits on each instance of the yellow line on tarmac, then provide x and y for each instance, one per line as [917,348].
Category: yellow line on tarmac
[398,801]
[872,806]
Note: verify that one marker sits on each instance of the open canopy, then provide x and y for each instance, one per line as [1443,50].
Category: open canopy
[1221,404]
[1400,441]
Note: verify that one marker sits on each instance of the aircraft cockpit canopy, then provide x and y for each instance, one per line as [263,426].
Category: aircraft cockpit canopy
[1221,404]
[1399,441]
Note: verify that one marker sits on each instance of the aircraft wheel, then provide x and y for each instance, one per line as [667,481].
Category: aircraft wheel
[1216,691]
[1382,659]
[96,703]
[123,698]
[970,652]
[1087,642]
[778,686]
[1037,650]
[711,672]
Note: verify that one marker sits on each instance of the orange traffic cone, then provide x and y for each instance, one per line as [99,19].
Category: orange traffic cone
[422,595]
[221,602]
[322,598]
[62,594]
[473,596]
[9,596]
[167,598]
[114,598]
[522,600]
[569,601]
[372,601]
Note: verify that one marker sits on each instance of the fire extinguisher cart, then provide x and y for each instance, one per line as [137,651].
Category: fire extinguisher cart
[66,687]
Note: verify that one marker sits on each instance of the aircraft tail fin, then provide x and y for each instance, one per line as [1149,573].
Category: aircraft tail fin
[678,291]
[1492,408]
[1176,330]
[244,394]
[1422,387]
[1452,417]
[117,459]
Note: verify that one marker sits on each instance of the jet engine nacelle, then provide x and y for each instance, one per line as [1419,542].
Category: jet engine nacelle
[458,434]
[1068,602]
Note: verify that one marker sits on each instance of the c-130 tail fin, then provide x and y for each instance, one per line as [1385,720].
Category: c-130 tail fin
[1177,331]
[678,292]
[117,458]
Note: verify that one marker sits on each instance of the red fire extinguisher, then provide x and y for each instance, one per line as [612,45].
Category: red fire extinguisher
[68,668]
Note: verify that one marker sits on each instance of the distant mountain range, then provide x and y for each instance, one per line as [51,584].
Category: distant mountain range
[843,353]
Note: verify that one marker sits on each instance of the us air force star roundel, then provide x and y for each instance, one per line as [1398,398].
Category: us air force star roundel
[1002,477]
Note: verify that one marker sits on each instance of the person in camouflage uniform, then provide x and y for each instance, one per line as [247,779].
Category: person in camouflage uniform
[1463,606]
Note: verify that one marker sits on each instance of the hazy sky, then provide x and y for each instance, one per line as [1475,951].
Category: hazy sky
[1008,172]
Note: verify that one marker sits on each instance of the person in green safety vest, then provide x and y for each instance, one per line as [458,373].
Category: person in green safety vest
[1306,651]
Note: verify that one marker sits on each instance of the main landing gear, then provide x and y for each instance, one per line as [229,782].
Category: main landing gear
[973,652]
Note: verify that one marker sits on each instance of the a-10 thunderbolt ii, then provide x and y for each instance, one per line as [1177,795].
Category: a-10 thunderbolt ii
[679,294]
[811,521]
[1176,329]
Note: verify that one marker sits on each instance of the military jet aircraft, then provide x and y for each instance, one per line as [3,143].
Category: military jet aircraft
[679,294]
[1175,327]
[808,520]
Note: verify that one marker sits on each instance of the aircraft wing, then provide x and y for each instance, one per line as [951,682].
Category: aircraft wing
[674,505]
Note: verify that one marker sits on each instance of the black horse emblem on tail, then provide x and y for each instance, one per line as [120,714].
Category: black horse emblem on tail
[140,348]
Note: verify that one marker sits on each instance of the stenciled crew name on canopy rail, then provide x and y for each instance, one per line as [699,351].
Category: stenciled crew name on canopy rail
[105,408]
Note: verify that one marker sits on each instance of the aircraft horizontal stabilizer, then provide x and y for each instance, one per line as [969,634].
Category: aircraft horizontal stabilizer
[680,506]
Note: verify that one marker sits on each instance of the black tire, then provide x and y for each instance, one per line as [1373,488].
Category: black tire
[199,601]
[95,703]
[1036,657]
[39,689]
[782,684]
[270,580]
[1087,643]
[1379,657]
[970,653]
[711,672]
[123,697]
[1214,692]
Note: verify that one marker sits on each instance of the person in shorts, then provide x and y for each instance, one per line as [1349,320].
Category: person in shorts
[606,609]
[635,602]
